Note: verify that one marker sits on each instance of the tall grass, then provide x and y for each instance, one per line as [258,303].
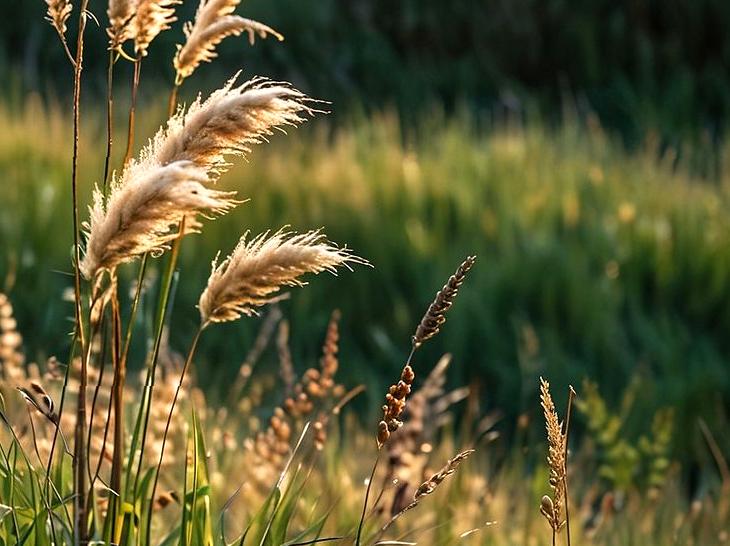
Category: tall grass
[91,455]
[600,263]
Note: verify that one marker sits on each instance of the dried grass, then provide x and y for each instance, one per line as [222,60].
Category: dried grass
[120,13]
[151,18]
[213,23]
[228,123]
[435,316]
[553,508]
[142,214]
[259,268]
[58,13]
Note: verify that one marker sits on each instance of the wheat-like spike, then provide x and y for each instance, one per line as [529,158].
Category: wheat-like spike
[552,508]
[258,269]
[142,213]
[151,18]
[395,404]
[435,317]
[213,23]
[58,13]
[329,362]
[120,13]
[228,123]
[430,485]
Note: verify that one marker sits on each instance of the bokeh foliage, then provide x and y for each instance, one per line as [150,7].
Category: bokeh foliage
[592,262]
[638,64]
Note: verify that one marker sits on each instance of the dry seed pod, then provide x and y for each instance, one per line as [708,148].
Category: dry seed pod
[395,403]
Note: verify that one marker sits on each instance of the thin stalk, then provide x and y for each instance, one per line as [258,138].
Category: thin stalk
[132,111]
[188,360]
[95,398]
[367,496]
[172,101]
[66,50]
[120,374]
[414,347]
[40,488]
[135,305]
[11,493]
[163,306]
[56,431]
[79,463]
[571,395]
[109,118]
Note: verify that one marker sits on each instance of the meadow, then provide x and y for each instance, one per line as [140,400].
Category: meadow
[597,267]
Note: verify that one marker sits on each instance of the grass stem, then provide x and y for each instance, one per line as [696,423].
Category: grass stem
[79,463]
[367,497]
[571,396]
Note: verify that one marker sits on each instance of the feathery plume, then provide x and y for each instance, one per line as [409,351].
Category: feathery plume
[228,123]
[151,18]
[552,508]
[213,23]
[142,214]
[58,13]
[435,317]
[258,269]
[120,13]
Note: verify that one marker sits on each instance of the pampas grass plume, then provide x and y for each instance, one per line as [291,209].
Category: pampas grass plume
[142,213]
[260,267]
[213,23]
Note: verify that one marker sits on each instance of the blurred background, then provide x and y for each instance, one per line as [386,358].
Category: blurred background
[577,147]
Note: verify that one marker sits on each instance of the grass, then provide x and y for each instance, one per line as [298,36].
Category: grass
[595,263]
[217,480]
[592,263]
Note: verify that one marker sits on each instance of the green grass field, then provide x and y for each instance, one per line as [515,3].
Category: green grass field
[593,263]
[596,267]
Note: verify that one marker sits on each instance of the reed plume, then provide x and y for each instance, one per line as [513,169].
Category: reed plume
[120,13]
[552,508]
[151,18]
[258,268]
[435,317]
[213,23]
[58,13]
[228,123]
[142,214]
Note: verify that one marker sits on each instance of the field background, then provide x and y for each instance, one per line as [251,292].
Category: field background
[576,147]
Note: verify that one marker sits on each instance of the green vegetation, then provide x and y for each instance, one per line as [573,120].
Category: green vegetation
[139,397]
[594,263]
